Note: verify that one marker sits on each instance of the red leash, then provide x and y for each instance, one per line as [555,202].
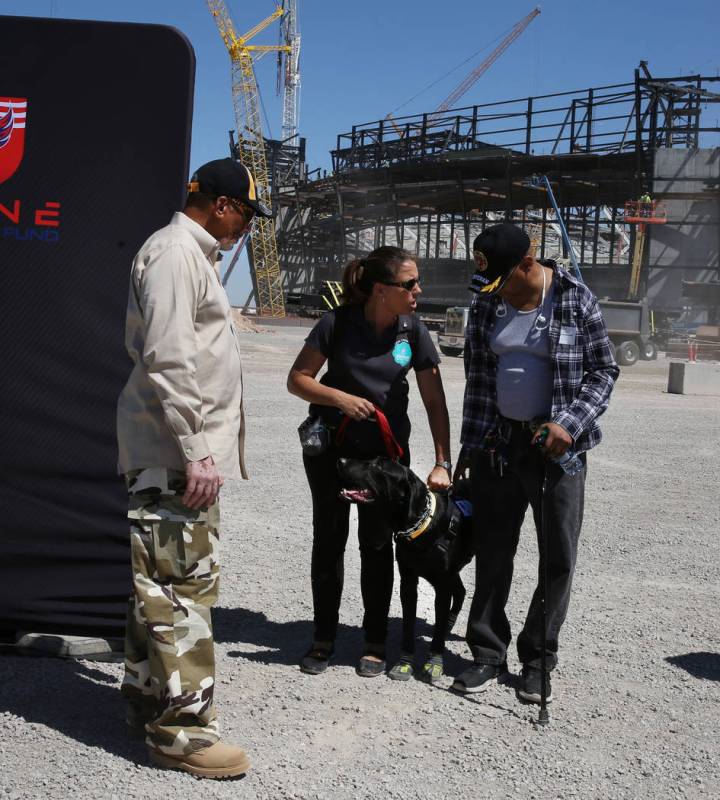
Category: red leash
[392,447]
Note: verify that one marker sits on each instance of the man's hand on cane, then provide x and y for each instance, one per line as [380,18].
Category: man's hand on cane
[557,440]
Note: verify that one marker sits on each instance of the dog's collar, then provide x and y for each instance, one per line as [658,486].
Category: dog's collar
[422,524]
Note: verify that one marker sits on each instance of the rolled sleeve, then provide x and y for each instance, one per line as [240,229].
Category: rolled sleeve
[168,293]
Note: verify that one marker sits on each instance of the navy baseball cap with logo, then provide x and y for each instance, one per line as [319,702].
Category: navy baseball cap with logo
[226,177]
[497,251]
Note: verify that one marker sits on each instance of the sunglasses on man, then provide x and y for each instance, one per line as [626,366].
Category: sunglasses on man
[241,207]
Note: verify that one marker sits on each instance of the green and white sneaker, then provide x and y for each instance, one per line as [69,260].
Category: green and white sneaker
[432,669]
[403,670]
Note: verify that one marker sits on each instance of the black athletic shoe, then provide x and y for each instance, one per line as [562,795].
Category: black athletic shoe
[531,685]
[478,678]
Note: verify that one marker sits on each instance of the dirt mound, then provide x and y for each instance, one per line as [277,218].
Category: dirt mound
[243,323]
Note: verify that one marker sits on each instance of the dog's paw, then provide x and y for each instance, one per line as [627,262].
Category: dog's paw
[432,671]
[402,671]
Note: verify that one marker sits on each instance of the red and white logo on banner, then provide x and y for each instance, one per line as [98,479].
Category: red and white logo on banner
[13,113]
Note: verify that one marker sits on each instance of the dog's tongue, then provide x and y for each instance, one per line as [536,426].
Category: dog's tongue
[357,495]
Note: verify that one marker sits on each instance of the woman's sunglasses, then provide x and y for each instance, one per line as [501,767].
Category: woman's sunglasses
[408,285]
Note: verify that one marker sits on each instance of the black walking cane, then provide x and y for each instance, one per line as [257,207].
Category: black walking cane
[543,716]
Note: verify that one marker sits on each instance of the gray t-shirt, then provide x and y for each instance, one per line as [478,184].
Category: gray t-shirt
[524,373]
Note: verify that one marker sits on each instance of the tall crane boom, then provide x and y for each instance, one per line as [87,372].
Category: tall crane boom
[251,148]
[488,62]
[291,80]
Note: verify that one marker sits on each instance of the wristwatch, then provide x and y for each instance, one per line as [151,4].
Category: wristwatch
[444,464]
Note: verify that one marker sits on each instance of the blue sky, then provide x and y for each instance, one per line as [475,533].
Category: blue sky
[361,60]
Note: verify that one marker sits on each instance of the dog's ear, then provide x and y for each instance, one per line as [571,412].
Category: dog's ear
[405,491]
[385,476]
[416,492]
[392,469]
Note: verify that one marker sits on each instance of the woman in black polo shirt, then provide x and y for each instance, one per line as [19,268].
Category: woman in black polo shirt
[370,343]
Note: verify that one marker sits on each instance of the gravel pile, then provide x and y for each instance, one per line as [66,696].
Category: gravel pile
[244,324]
[637,691]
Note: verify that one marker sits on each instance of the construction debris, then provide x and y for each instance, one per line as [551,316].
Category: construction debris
[243,323]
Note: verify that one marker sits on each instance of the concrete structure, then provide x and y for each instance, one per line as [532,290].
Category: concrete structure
[687,378]
[686,248]
[92,648]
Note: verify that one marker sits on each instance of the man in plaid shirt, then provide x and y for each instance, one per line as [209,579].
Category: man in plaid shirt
[539,369]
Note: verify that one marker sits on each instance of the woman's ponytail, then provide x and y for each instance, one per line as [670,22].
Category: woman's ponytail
[353,293]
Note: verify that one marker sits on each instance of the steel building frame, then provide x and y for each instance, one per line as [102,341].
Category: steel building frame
[431,182]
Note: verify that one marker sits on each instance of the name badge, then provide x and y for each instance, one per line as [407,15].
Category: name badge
[402,353]
[567,335]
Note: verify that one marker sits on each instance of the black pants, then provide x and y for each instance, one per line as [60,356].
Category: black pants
[331,516]
[499,506]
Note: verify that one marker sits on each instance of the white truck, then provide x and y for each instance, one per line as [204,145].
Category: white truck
[451,339]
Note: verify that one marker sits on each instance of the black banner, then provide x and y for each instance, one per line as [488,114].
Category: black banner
[94,146]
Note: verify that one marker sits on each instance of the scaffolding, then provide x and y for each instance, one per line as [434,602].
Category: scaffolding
[434,183]
[632,117]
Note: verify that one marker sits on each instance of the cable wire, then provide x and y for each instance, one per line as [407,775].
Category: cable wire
[454,69]
[267,120]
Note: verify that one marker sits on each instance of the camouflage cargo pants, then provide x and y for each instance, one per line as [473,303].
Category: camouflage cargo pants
[169,655]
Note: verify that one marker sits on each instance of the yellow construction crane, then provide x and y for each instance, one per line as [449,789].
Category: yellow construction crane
[251,148]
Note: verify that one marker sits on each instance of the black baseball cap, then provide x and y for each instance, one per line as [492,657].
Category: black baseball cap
[229,178]
[499,248]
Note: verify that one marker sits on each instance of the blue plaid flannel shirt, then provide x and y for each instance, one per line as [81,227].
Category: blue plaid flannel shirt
[584,368]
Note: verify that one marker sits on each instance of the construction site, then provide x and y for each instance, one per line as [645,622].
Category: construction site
[618,182]
[570,167]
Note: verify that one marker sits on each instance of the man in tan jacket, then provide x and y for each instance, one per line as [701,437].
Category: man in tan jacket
[180,430]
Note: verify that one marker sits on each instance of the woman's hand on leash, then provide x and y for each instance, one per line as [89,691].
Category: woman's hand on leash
[439,479]
[357,408]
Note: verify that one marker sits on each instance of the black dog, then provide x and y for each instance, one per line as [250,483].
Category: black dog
[434,541]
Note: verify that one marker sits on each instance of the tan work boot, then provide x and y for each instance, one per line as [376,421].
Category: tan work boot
[220,760]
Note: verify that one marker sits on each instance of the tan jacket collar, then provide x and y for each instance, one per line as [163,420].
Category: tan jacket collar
[207,243]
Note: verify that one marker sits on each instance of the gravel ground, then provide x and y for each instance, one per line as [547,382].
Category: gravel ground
[636,692]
